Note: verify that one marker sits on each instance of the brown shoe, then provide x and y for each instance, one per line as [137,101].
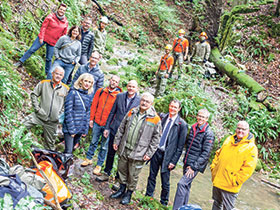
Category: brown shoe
[97,170]
[103,178]
[86,162]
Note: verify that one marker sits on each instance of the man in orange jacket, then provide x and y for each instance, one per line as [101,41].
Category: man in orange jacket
[102,104]
[180,51]
[233,164]
[164,69]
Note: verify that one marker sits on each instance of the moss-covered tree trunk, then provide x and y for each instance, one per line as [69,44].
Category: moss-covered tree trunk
[234,73]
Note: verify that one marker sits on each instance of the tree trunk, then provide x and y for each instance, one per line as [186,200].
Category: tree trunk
[240,77]
[213,13]
[277,12]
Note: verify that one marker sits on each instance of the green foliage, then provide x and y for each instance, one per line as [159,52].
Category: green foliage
[151,203]
[73,12]
[192,97]
[85,179]
[5,11]
[113,61]
[28,28]
[110,42]
[256,47]
[166,16]
[12,96]
[23,204]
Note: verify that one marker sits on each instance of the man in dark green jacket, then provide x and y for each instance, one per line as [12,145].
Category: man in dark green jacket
[136,141]
[48,102]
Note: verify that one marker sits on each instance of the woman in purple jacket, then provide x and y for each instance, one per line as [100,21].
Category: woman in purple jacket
[77,111]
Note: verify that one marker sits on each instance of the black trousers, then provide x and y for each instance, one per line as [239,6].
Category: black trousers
[110,156]
[155,165]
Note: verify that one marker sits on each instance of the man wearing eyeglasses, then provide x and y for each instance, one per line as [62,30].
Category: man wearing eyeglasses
[199,146]
[233,164]
[92,68]
[136,141]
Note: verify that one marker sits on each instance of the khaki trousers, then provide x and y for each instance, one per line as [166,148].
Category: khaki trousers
[49,129]
[129,170]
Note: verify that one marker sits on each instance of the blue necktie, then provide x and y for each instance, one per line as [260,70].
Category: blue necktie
[165,132]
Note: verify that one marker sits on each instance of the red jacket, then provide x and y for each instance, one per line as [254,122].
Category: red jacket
[102,104]
[52,29]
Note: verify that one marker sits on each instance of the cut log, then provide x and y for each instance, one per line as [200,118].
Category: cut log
[237,75]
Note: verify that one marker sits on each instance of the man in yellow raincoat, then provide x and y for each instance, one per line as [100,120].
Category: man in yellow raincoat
[233,164]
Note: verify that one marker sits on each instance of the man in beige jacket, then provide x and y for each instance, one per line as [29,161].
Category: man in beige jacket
[48,102]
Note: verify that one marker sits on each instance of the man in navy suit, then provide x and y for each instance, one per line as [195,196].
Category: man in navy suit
[125,101]
[170,148]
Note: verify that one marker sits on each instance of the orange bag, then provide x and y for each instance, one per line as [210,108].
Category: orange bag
[59,185]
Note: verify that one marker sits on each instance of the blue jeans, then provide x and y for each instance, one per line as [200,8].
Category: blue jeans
[68,68]
[70,142]
[97,131]
[35,46]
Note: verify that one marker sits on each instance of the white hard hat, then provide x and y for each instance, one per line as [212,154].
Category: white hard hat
[104,19]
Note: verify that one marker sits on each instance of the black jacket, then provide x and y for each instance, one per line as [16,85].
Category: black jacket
[199,146]
[175,141]
[119,110]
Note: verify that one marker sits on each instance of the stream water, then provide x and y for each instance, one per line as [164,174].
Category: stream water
[254,194]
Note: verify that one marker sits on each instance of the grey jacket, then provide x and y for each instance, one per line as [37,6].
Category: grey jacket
[70,53]
[148,136]
[51,100]
[202,51]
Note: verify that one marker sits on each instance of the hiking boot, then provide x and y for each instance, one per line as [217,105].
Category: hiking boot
[103,178]
[86,162]
[18,64]
[97,170]
[120,192]
[126,198]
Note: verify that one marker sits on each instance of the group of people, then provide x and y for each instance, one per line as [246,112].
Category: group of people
[177,54]
[127,123]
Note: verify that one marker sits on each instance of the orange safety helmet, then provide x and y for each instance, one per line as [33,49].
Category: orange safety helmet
[203,34]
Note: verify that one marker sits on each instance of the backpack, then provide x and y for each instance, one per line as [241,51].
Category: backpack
[12,185]
[61,162]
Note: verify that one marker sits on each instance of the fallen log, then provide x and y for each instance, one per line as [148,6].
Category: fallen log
[237,75]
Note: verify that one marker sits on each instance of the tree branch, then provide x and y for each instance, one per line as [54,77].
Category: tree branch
[57,205]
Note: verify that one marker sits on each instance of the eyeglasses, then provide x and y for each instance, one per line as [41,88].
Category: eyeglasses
[201,116]
[95,58]
[241,129]
[145,101]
